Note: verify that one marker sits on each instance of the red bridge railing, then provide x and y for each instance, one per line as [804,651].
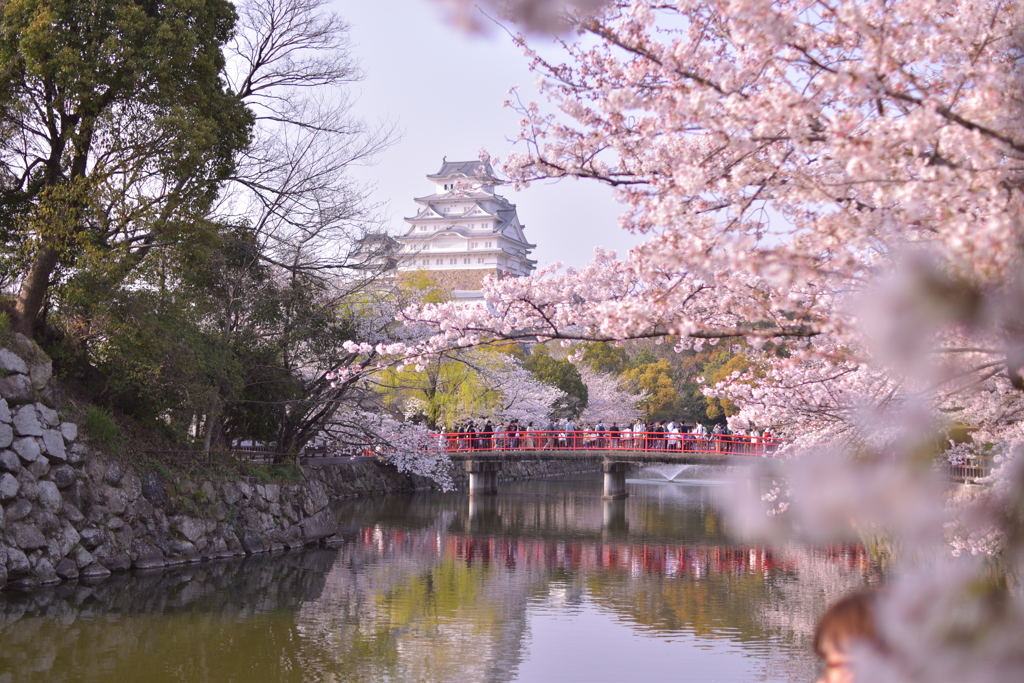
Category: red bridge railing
[468,442]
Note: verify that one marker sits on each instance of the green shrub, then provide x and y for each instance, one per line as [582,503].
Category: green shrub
[260,474]
[102,430]
[288,473]
[5,329]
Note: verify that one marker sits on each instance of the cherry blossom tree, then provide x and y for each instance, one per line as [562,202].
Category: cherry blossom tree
[842,179]
[610,399]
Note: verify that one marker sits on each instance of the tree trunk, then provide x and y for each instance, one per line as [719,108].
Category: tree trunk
[212,422]
[33,290]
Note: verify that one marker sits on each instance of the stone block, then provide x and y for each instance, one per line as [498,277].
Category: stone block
[6,435]
[113,474]
[40,373]
[47,522]
[43,571]
[189,527]
[5,411]
[153,489]
[17,563]
[16,389]
[118,562]
[66,569]
[48,416]
[94,469]
[63,476]
[18,510]
[78,494]
[252,543]
[72,513]
[39,468]
[68,538]
[10,362]
[78,453]
[9,486]
[53,442]
[27,536]
[94,571]
[104,552]
[49,497]
[69,430]
[115,500]
[230,493]
[319,526]
[146,556]
[27,449]
[92,538]
[26,421]
[183,550]
[83,558]
[131,485]
[272,492]
[9,461]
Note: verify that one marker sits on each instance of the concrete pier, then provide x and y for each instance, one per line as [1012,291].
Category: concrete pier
[483,477]
[614,479]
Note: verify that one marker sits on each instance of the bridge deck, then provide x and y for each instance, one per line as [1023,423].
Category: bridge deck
[601,455]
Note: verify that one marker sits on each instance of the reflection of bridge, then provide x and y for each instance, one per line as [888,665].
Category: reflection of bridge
[660,558]
[484,452]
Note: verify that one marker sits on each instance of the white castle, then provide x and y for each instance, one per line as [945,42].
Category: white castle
[464,231]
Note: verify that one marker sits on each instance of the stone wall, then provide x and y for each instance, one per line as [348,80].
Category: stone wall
[450,280]
[67,512]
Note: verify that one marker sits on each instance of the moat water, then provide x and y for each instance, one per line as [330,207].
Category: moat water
[543,582]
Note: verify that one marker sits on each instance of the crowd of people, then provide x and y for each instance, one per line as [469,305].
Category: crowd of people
[664,435]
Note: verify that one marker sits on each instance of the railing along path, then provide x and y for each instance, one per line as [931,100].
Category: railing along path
[645,442]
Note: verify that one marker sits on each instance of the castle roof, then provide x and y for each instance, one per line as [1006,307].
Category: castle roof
[470,169]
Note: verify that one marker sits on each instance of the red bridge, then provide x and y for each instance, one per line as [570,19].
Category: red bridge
[483,453]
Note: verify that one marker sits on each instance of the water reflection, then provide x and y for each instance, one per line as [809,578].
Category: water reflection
[543,582]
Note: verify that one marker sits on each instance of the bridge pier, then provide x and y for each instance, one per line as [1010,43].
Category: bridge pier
[614,479]
[483,477]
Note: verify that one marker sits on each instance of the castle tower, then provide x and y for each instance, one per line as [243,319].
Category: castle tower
[464,231]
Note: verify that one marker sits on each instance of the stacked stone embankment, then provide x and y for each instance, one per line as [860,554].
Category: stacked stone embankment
[67,512]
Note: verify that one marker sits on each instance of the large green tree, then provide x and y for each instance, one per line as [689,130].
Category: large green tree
[118,130]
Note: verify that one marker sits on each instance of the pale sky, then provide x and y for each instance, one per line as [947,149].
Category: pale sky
[444,90]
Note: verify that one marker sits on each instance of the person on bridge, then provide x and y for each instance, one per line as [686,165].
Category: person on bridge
[673,437]
[551,435]
[613,436]
[487,436]
[638,435]
[570,431]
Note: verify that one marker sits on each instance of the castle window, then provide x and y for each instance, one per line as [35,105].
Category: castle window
[480,260]
[452,261]
[487,245]
[465,260]
[426,262]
